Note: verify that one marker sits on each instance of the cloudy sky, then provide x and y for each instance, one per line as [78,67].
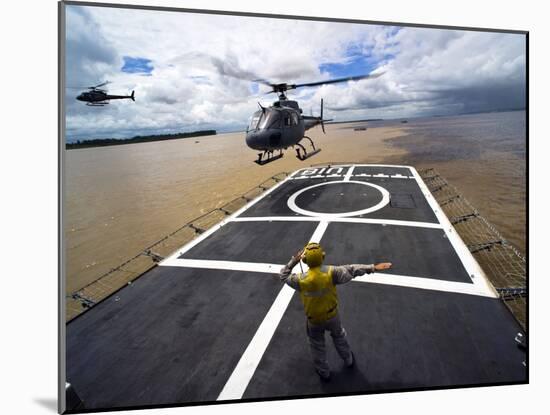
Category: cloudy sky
[195,71]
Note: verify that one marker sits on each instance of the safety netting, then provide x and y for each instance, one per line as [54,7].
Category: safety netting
[504,265]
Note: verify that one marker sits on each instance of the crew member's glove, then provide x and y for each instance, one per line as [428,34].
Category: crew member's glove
[382,266]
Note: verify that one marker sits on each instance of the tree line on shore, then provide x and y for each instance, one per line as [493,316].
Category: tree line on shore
[100,142]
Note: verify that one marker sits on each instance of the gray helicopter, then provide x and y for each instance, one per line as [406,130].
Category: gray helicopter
[282,125]
[97,97]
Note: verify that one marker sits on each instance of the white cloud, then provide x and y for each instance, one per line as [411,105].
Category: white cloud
[440,71]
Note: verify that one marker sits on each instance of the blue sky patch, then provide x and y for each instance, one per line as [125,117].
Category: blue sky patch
[357,65]
[141,66]
[254,88]
[359,62]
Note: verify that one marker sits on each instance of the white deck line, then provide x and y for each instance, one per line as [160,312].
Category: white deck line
[240,377]
[319,232]
[376,278]
[349,173]
[475,272]
[423,283]
[332,219]
[214,228]
[225,265]
[237,383]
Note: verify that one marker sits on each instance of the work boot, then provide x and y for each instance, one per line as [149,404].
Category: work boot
[325,377]
[350,361]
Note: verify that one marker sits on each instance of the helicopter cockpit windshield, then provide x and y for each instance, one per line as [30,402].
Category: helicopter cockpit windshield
[265,119]
[254,120]
[270,119]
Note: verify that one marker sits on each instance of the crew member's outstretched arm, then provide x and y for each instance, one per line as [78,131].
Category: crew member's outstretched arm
[345,273]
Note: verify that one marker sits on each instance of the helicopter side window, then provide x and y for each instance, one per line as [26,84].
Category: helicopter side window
[294,118]
[286,119]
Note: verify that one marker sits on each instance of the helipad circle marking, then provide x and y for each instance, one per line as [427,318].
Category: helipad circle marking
[291,202]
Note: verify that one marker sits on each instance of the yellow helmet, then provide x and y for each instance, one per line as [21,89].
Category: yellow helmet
[313,254]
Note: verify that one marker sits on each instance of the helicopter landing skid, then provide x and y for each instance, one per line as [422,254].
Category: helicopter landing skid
[270,157]
[305,155]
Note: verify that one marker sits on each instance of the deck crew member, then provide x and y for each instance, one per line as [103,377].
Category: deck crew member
[317,288]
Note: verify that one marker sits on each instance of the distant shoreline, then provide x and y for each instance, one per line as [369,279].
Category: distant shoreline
[103,142]
[354,121]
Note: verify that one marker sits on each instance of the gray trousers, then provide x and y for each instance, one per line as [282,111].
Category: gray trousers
[316,336]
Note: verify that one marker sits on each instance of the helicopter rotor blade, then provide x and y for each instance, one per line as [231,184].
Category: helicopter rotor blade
[263,81]
[100,85]
[281,88]
[333,81]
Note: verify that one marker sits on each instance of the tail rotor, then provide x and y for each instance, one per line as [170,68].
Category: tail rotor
[321,120]
[322,123]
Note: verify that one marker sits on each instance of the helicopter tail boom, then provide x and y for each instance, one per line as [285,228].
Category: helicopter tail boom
[132,97]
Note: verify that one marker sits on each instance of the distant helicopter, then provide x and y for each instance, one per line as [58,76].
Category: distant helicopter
[97,97]
[282,125]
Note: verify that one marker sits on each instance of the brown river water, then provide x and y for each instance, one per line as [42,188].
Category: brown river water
[121,199]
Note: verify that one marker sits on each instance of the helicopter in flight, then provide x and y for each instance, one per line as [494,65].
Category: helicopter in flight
[282,125]
[97,97]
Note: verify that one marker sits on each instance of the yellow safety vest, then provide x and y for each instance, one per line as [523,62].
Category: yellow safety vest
[318,294]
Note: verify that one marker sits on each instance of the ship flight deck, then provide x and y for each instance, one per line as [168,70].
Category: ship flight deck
[213,322]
